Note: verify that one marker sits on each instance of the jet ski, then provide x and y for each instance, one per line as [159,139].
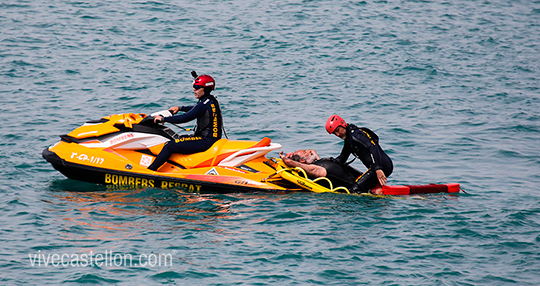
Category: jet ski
[117,150]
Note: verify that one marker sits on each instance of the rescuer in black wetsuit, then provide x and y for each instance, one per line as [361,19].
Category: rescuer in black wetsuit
[364,144]
[340,175]
[209,123]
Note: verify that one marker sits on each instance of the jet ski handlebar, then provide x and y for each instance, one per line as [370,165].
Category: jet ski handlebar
[162,113]
[149,120]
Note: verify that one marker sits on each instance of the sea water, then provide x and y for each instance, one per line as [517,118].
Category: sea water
[451,87]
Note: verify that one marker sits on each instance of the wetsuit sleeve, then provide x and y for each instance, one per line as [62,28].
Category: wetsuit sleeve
[186,108]
[345,153]
[193,113]
[359,138]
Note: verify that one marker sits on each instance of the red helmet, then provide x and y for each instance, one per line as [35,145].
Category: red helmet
[205,81]
[333,122]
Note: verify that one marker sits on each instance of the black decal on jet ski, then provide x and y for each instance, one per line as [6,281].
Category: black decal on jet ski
[247,168]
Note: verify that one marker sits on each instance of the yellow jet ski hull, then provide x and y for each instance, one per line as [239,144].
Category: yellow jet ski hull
[117,151]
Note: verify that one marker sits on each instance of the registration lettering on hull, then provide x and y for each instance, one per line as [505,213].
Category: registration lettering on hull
[136,182]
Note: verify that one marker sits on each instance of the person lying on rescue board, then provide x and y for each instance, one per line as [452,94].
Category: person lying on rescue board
[315,167]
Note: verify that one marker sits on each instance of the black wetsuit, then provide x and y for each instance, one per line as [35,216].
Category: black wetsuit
[208,130]
[340,175]
[364,144]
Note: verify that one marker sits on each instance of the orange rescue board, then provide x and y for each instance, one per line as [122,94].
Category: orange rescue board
[419,189]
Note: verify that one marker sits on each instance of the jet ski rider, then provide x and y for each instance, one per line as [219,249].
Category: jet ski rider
[364,144]
[209,122]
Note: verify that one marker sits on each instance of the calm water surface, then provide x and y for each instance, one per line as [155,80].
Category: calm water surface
[451,87]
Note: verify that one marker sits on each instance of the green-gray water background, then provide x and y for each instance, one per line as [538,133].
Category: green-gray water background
[451,87]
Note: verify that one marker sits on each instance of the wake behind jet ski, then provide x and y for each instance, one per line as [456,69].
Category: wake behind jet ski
[117,150]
